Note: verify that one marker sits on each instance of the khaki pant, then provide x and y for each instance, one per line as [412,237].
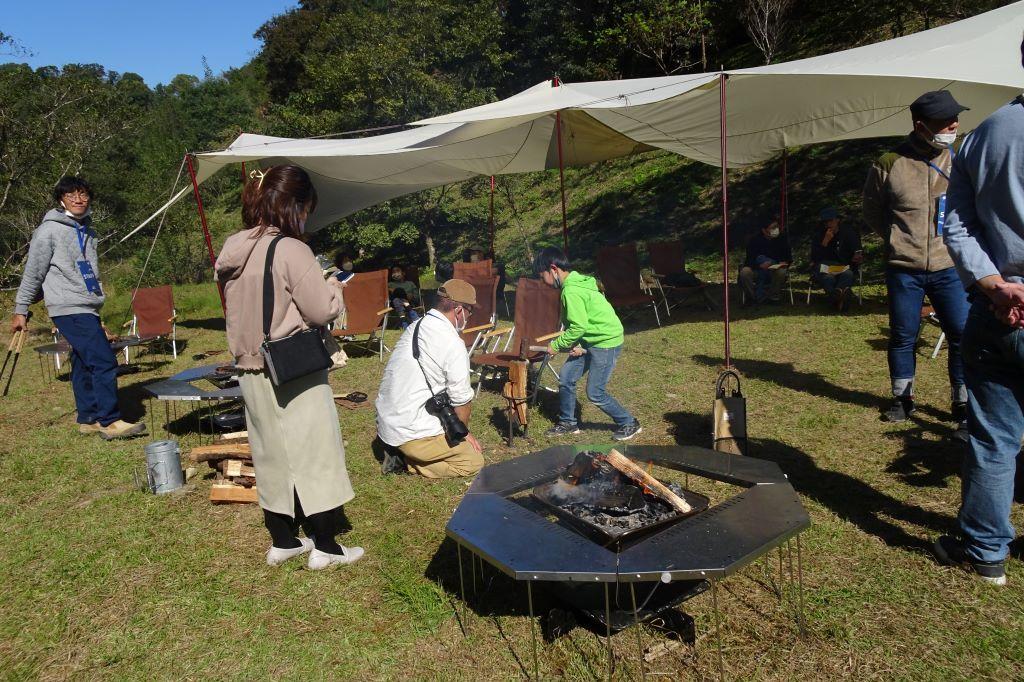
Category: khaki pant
[432,458]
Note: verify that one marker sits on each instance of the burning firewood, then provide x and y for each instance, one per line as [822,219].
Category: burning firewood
[651,484]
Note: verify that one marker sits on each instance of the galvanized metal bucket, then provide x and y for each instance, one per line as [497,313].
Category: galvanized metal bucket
[163,466]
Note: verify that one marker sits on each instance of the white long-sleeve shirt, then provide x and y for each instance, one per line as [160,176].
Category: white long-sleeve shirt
[401,411]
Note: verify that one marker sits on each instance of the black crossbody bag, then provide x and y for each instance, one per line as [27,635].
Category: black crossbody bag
[294,356]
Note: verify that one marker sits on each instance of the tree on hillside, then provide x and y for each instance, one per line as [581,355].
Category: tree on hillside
[766,23]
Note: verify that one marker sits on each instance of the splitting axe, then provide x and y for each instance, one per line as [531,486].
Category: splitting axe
[14,348]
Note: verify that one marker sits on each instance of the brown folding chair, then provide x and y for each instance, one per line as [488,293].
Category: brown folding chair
[619,270]
[538,318]
[484,317]
[668,259]
[480,268]
[154,317]
[366,308]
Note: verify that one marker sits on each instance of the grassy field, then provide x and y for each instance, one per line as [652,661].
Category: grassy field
[100,580]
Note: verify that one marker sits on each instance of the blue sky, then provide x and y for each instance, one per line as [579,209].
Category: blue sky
[156,40]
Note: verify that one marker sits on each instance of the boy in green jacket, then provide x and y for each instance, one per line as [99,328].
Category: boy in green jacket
[593,337]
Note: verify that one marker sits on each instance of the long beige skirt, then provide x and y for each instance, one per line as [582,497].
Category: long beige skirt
[296,443]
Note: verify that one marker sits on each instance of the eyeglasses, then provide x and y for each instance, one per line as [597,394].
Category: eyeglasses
[80,196]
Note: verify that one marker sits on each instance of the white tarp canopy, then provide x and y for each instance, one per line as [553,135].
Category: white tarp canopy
[859,93]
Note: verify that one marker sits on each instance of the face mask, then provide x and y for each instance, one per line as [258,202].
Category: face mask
[774,232]
[346,266]
[461,326]
[474,258]
[944,139]
[395,277]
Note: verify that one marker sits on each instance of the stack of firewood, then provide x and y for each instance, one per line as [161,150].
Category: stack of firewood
[230,457]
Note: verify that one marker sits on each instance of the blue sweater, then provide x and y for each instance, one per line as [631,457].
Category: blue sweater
[984,228]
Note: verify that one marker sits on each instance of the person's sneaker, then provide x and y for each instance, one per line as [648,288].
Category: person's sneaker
[277,556]
[961,434]
[959,412]
[319,560]
[89,429]
[950,551]
[900,409]
[393,463]
[627,432]
[562,429]
[121,429]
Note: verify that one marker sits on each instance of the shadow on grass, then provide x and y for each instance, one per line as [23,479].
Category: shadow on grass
[849,498]
[927,463]
[786,375]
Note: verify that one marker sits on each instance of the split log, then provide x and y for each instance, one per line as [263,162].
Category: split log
[514,390]
[229,492]
[630,468]
[205,453]
[234,435]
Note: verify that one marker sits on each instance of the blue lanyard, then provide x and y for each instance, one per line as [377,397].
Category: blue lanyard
[940,171]
[82,233]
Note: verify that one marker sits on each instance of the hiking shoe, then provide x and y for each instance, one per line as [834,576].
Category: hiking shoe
[562,429]
[393,463]
[277,556]
[961,434]
[628,431]
[899,411]
[121,429]
[319,560]
[89,429]
[950,552]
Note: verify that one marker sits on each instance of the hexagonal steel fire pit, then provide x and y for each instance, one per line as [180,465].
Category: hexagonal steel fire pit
[698,549]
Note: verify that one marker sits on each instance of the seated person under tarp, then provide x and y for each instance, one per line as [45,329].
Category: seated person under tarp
[404,295]
[766,267]
[835,255]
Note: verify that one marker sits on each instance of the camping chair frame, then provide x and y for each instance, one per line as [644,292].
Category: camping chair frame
[660,255]
[376,330]
[857,290]
[614,259]
[928,315]
[133,325]
[476,332]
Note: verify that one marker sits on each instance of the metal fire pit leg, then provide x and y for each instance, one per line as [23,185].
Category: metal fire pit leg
[789,551]
[462,590]
[167,418]
[533,628]
[800,584]
[718,629]
[472,563]
[781,574]
[639,638]
[608,628]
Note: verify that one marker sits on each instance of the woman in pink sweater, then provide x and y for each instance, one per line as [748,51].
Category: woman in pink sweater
[297,449]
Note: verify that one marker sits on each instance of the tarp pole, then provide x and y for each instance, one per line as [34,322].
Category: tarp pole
[784,200]
[206,229]
[555,82]
[244,176]
[722,78]
[490,219]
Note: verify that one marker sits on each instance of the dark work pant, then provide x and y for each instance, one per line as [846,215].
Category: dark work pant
[320,527]
[907,289]
[93,368]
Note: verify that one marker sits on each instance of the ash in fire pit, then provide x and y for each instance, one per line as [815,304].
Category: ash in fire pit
[599,499]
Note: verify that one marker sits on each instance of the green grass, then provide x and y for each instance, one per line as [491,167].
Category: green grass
[99,580]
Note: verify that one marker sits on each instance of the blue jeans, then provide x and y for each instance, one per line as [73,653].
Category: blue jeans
[907,289]
[832,283]
[994,360]
[599,362]
[93,368]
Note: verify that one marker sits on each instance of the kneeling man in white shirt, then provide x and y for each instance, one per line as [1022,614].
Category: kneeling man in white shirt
[403,421]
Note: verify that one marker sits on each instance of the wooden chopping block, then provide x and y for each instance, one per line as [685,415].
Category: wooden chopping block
[630,468]
[514,390]
[229,492]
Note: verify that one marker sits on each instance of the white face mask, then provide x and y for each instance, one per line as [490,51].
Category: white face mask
[346,266]
[461,326]
[944,139]
[774,232]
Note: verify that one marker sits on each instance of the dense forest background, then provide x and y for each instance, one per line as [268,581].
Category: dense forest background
[331,66]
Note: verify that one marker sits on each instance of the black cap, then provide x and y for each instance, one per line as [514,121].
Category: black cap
[937,105]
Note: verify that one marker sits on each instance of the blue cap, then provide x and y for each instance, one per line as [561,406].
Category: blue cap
[828,213]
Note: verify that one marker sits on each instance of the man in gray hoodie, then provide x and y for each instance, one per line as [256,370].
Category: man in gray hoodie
[63,269]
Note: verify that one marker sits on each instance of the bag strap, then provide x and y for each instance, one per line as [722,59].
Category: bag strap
[268,287]
[720,384]
[416,352]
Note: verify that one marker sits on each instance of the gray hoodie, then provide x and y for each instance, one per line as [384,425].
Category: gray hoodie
[51,270]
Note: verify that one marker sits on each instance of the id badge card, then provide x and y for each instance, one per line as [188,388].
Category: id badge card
[91,283]
[940,215]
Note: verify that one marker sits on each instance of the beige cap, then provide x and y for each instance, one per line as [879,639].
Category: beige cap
[459,291]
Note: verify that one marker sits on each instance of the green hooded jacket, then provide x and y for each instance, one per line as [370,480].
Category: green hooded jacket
[589,318]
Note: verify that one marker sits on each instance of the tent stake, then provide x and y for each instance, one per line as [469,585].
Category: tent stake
[206,229]
[725,217]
